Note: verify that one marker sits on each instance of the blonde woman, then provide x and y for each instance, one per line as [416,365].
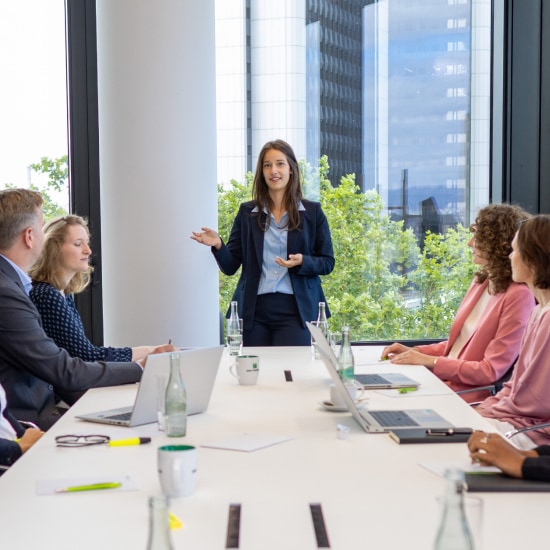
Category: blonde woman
[64,270]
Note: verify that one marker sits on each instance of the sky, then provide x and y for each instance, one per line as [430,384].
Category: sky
[33,105]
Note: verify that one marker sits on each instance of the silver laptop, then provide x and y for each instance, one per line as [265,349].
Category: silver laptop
[374,421]
[198,369]
[388,380]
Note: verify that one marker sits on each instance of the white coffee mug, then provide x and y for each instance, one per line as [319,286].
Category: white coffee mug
[177,468]
[246,369]
[354,389]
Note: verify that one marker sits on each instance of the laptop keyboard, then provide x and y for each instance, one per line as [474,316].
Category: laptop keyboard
[393,418]
[122,416]
[370,379]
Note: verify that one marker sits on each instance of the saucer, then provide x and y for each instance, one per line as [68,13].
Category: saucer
[329,406]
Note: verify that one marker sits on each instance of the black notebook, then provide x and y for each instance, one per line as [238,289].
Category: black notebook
[500,483]
[425,435]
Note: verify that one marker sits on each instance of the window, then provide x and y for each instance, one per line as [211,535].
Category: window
[33,103]
[389,93]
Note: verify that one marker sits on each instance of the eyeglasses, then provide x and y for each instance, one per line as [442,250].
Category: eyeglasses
[81,440]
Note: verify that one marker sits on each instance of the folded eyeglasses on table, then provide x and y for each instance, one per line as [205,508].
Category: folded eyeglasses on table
[81,440]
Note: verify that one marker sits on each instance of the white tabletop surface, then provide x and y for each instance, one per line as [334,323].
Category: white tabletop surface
[373,492]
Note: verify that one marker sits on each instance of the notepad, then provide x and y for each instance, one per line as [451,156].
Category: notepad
[501,483]
[421,435]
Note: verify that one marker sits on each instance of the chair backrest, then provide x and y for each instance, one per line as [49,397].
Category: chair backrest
[494,388]
[503,379]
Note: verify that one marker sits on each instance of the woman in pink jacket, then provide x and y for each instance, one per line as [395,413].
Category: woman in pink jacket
[485,336]
[524,400]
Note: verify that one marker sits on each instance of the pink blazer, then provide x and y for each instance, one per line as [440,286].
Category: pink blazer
[523,401]
[494,344]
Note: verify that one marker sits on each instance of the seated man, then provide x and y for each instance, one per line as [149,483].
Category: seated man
[34,371]
[12,448]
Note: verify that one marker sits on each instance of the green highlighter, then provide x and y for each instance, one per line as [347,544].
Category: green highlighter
[407,390]
[92,487]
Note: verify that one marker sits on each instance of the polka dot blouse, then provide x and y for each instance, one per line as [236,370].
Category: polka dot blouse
[62,323]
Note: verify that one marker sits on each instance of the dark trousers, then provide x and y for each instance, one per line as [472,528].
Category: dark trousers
[276,323]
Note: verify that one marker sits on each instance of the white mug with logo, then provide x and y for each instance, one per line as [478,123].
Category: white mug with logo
[177,468]
[246,369]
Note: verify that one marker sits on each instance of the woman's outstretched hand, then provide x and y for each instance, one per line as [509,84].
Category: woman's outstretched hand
[207,237]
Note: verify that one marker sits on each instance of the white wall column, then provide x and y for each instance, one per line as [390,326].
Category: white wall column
[157,128]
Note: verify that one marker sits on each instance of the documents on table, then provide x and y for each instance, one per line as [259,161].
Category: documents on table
[439,468]
[247,442]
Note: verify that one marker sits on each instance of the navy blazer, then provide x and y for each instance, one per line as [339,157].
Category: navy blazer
[33,369]
[245,247]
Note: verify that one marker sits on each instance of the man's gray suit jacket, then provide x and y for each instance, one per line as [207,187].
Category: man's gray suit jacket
[33,369]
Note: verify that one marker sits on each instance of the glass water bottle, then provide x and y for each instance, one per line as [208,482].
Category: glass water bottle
[346,362]
[159,527]
[321,323]
[234,334]
[176,400]
[453,532]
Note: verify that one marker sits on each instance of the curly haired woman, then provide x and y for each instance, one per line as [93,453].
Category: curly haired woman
[485,335]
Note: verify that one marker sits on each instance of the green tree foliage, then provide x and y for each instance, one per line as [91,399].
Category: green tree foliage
[58,174]
[57,171]
[441,279]
[383,286]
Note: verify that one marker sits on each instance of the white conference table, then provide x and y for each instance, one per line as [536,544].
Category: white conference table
[373,492]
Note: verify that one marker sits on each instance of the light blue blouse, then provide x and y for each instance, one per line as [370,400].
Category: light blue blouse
[275,278]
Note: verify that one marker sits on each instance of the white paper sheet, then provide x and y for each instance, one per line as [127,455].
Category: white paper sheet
[247,442]
[439,468]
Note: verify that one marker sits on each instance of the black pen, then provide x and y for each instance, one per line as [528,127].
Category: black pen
[450,431]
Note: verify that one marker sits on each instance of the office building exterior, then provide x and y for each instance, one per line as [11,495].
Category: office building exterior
[393,91]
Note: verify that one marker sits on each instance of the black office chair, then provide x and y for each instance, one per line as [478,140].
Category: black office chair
[494,388]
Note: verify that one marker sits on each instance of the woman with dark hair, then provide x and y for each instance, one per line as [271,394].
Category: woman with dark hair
[283,243]
[523,401]
[485,335]
[493,450]
[63,270]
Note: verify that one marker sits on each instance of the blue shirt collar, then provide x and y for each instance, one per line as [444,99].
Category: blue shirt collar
[301,208]
[26,281]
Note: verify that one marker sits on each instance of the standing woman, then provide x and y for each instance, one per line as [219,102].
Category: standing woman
[283,243]
[64,270]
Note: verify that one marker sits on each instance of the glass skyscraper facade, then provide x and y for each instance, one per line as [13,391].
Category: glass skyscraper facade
[393,91]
